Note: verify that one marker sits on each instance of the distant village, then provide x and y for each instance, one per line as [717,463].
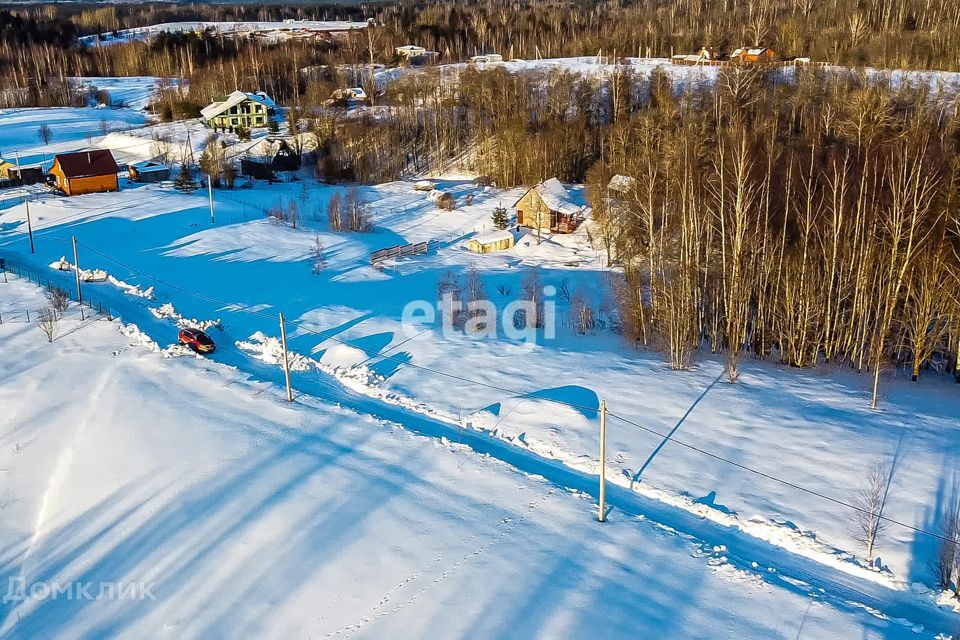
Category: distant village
[543,207]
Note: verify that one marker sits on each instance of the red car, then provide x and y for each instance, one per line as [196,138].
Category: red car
[196,340]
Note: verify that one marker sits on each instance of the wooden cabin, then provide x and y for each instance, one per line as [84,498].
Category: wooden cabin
[490,242]
[85,172]
[756,54]
[548,207]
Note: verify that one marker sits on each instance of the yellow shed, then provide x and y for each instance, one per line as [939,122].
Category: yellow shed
[490,242]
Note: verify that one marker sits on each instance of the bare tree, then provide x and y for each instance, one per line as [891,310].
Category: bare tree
[333,212]
[448,288]
[355,212]
[47,321]
[947,561]
[532,286]
[58,298]
[45,133]
[581,313]
[870,501]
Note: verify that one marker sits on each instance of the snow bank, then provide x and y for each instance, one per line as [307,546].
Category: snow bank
[166,311]
[99,275]
[270,351]
[139,338]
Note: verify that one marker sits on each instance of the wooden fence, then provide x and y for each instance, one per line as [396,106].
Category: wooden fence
[401,250]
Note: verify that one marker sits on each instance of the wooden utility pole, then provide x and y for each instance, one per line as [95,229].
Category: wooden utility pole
[26,203]
[602,516]
[286,362]
[210,194]
[76,269]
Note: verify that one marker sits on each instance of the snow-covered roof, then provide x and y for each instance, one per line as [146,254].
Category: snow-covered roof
[556,197]
[621,183]
[755,51]
[486,58]
[217,107]
[146,166]
[493,237]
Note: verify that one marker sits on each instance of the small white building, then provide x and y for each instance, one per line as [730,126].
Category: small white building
[487,58]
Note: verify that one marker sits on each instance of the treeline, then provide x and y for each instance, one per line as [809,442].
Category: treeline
[891,34]
[810,221]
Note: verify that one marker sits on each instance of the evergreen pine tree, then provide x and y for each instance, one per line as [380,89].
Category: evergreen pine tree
[185,181]
[500,218]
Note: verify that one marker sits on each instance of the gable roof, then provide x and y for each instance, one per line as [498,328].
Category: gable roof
[554,196]
[219,106]
[80,164]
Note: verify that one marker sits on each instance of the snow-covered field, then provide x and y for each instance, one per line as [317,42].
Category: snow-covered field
[218,510]
[71,128]
[384,523]
[133,92]
[683,76]
[275,29]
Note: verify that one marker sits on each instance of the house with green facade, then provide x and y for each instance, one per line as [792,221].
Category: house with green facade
[239,109]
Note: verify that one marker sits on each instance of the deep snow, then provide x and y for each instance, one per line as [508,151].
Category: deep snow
[812,428]
[249,517]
